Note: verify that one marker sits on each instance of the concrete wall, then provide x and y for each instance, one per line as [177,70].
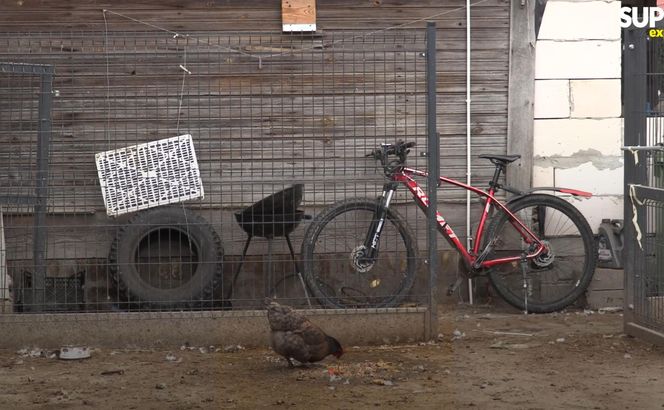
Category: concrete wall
[578,125]
[173,329]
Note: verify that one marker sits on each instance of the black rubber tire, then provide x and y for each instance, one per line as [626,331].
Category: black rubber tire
[510,290]
[198,290]
[322,220]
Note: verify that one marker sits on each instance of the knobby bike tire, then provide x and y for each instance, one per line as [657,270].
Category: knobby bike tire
[566,278]
[320,260]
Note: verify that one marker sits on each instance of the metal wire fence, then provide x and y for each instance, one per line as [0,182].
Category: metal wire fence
[645,268]
[185,171]
[648,290]
[644,185]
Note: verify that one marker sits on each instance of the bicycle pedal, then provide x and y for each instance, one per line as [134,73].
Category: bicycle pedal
[453,287]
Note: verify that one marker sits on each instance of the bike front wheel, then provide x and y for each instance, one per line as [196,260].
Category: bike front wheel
[332,269]
[557,277]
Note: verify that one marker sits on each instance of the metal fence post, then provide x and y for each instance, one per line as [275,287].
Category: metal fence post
[635,130]
[433,149]
[43,142]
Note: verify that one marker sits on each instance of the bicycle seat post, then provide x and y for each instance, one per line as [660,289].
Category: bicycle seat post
[500,161]
[493,184]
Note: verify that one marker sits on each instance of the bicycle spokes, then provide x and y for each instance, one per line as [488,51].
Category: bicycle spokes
[558,274]
[344,274]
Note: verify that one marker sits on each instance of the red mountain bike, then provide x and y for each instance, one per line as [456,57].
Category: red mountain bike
[537,249]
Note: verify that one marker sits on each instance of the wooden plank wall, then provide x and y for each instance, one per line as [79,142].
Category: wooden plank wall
[302,116]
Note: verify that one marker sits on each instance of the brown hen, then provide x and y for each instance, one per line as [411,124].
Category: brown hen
[293,336]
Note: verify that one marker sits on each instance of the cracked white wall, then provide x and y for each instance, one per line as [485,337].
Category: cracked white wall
[578,129]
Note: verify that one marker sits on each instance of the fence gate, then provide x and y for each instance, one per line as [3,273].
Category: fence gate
[25,112]
[643,82]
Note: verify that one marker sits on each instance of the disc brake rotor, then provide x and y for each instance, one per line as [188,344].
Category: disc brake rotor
[546,258]
[359,261]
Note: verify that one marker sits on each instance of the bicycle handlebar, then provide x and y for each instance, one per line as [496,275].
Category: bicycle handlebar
[400,149]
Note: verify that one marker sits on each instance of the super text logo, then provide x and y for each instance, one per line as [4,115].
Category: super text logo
[641,17]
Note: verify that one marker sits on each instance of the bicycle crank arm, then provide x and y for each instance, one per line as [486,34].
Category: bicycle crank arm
[453,287]
[485,253]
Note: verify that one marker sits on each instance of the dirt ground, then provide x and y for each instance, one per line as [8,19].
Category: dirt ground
[485,359]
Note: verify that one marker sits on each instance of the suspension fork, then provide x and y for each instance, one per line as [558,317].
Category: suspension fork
[372,241]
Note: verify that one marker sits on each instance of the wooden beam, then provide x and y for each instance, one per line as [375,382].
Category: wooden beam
[298,15]
[521,93]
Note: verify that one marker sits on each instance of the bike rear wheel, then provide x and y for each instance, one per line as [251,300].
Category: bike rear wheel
[556,278]
[331,266]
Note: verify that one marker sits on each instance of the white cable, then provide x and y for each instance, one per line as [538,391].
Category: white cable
[468,144]
[635,222]
[635,152]
[108,86]
[185,69]
[184,76]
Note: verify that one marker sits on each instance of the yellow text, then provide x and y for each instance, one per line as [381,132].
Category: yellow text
[656,32]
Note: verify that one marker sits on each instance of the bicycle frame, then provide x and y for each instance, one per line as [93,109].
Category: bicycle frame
[471,256]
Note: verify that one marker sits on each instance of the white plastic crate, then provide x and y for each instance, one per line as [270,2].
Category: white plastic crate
[148,175]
